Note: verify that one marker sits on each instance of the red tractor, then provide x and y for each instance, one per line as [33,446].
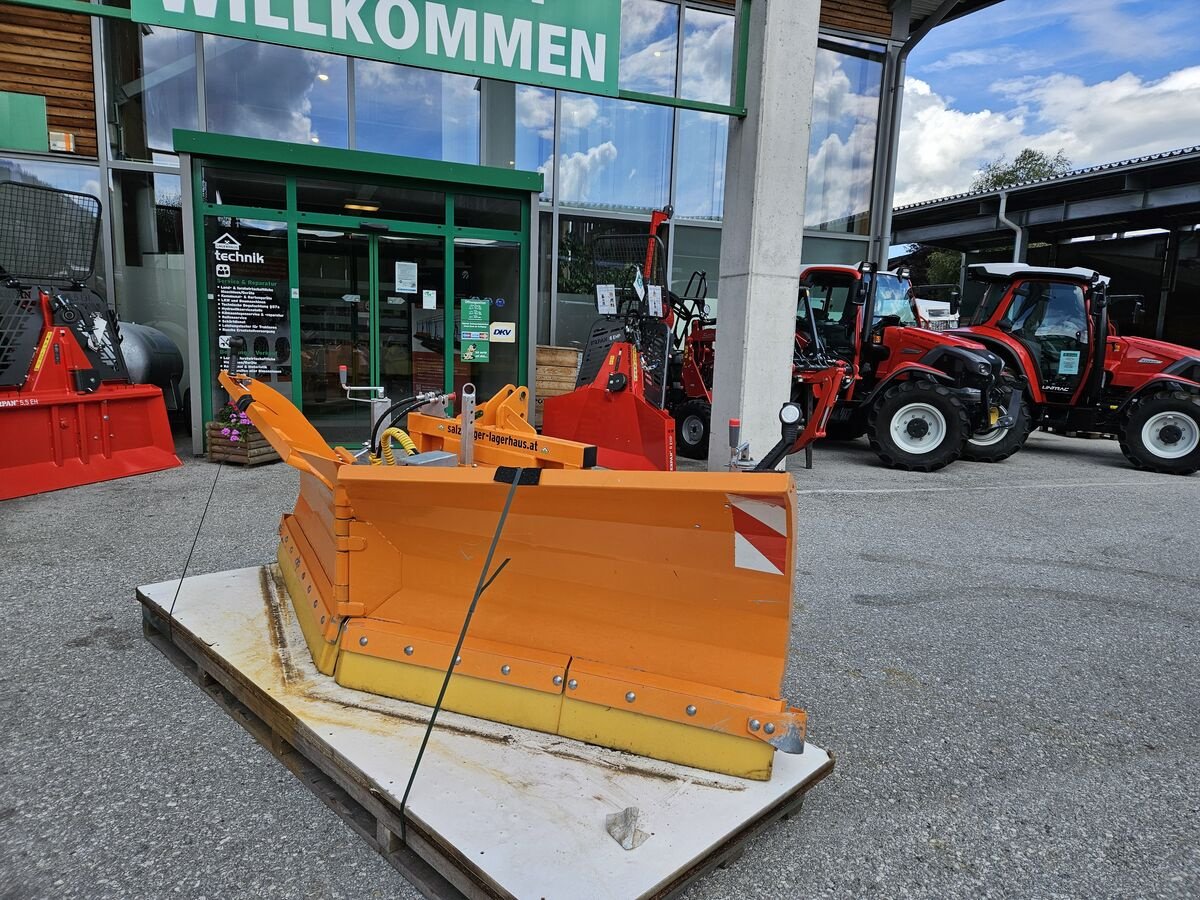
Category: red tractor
[1053,328]
[924,398]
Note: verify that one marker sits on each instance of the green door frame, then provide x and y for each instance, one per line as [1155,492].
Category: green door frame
[295,160]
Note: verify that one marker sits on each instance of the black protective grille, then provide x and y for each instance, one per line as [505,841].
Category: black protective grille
[47,234]
[20,327]
[618,257]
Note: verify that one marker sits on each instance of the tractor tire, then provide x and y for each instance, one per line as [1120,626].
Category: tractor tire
[1162,434]
[693,426]
[918,426]
[1000,445]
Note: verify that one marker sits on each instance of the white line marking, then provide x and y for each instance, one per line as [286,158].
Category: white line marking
[999,487]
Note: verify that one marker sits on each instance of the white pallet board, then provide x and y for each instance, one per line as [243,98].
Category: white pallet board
[523,812]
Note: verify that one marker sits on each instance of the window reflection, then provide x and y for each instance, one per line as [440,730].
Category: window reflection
[151,74]
[276,93]
[842,146]
[535,133]
[707,56]
[649,42]
[576,301]
[700,184]
[416,112]
[614,153]
[147,211]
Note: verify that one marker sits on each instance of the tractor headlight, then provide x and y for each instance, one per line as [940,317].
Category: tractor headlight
[984,368]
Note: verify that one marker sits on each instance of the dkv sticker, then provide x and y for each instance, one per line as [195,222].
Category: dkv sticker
[504,332]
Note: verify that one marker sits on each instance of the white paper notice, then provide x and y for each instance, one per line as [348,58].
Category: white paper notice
[406,278]
[429,300]
[606,299]
[654,300]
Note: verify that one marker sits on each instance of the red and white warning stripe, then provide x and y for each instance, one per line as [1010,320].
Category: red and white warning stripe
[760,534]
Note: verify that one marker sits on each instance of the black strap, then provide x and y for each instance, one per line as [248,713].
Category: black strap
[523,477]
[516,480]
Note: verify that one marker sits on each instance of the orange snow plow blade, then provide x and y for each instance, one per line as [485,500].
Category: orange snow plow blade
[643,611]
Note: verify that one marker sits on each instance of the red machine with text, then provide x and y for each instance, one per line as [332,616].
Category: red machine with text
[69,413]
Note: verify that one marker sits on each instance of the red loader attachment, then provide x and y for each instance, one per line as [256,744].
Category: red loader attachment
[68,412]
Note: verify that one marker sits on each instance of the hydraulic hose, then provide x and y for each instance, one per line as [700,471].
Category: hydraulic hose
[389,416]
[389,457]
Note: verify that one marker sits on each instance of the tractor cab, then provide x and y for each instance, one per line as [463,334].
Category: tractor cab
[1057,329]
[1048,319]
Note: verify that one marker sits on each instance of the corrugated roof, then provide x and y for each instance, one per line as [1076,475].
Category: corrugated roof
[1136,162]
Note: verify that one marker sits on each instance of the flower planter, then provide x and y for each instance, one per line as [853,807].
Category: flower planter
[233,439]
[251,449]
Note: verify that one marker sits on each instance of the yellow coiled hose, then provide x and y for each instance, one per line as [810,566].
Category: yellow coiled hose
[389,457]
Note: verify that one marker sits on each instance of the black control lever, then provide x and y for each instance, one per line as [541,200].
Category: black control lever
[237,346]
[791,420]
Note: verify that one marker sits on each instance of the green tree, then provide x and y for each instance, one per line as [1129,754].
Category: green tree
[933,265]
[1030,165]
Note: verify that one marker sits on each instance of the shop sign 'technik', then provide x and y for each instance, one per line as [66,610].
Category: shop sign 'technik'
[570,44]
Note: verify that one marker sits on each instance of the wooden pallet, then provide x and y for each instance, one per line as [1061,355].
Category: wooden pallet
[233,634]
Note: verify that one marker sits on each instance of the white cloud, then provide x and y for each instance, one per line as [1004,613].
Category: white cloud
[1015,59]
[641,19]
[577,171]
[708,57]
[535,111]
[578,112]
[942,148]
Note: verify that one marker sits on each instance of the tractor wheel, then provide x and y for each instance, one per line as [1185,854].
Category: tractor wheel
[1162,434]
[998,445]
[693,425]
[918,426]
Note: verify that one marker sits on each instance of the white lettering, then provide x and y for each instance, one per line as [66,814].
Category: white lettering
[548,50]
[508,43]
[438,26]
[582,50]
[264,17]
[383,24]
[257,258]
[349,12]
[207,9]
[303,21]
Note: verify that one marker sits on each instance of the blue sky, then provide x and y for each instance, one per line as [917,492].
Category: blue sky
[1102,80]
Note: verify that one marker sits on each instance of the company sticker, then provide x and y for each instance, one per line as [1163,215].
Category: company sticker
[504,332]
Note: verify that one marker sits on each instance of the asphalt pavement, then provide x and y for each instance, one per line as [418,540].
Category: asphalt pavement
[1005,660]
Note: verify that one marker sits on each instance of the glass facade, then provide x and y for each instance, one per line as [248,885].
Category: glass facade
[607,163]
[841,156]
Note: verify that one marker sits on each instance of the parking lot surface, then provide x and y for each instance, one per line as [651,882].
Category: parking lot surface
[1004,660]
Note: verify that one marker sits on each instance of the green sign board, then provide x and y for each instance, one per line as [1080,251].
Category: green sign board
[476,331]
[571,44]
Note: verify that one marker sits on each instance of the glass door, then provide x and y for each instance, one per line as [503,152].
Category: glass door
[335,329]
[410,291]
[487,303]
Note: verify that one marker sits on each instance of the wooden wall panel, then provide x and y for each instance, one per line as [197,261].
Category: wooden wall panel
[50,53]
[865,16]
[872,17]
